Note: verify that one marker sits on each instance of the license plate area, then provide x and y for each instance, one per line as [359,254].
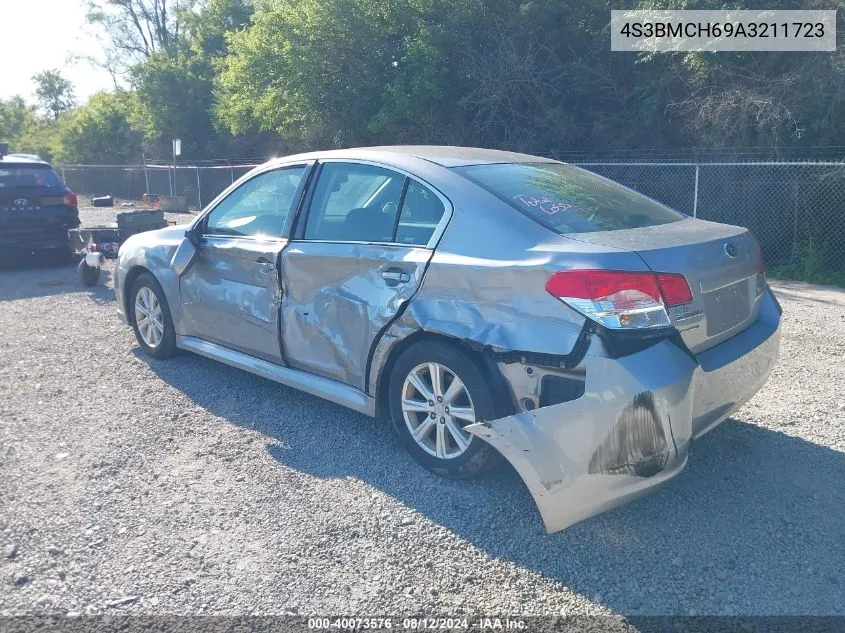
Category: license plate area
[727,307]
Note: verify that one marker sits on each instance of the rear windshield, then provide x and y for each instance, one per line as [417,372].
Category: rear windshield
[12,176]
[568,199]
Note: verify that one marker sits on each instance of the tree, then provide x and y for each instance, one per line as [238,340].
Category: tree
[206,30]
[24,130]
[313,69]
[14,114]
[176,85]
[54,93]
[100,132]
[175,99]
[136,29]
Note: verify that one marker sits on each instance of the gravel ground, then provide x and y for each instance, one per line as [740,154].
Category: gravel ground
[129,485]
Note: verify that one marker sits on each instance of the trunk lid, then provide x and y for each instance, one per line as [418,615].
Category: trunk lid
[720,263]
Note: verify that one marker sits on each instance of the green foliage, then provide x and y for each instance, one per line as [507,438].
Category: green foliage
[14,114]
[174,96]
[54,93]
[812,266]
[24,130]
[100,132]
[254,77]
[175,86]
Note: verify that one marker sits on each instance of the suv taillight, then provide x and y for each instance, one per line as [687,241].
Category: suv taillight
[621,299]
[70,200]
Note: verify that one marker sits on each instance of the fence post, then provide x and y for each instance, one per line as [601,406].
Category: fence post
[199,188]
[146,174]
[232,172]
[695,195]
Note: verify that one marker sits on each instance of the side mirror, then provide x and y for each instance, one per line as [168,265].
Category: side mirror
[185,253]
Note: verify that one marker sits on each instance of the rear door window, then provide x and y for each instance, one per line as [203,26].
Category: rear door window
[421,212]
[568,199]
[354,202]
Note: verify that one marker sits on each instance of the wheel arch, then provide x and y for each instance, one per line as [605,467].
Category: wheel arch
[131,275]
[484,362]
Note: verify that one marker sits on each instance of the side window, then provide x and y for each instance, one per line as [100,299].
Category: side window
[259,207]
[354,202]
[420,215]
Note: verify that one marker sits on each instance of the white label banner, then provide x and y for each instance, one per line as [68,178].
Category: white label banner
[646,30]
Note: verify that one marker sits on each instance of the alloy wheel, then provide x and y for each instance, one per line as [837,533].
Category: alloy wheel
[436,406]
[148,317]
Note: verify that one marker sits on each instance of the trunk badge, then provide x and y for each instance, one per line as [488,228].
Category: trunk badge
[21,202]
[730,250]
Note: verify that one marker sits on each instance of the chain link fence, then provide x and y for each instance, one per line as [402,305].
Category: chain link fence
[200,184]
[796,209]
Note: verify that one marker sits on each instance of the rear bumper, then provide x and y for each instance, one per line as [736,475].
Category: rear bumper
[34,243]
[729,374]
[632,429]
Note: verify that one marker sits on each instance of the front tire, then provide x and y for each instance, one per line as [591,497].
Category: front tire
[151,318]
[435,391]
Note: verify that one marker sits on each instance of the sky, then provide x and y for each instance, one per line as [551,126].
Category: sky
[38,35]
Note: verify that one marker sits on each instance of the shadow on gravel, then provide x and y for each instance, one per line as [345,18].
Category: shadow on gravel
[43,278]
[753,526]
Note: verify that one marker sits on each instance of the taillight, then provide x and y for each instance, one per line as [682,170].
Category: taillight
[675,289]
[70,200]
[621,299]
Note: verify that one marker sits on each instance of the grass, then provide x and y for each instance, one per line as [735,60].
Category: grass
[811,267]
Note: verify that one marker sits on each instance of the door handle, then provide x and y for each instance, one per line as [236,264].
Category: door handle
[394,276]
[263,261]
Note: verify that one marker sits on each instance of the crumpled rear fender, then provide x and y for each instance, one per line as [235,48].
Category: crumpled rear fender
[629,432]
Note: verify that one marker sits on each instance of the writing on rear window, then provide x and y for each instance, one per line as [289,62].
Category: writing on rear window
[568,199]
[543,204]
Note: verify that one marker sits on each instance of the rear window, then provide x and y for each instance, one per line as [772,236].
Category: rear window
[568,199]
[13,176]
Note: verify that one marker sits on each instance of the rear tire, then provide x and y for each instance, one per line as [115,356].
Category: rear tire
[429,419]
[151,318]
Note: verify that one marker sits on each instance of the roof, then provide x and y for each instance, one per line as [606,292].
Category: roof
[20,159]
[453,156]
[443,155]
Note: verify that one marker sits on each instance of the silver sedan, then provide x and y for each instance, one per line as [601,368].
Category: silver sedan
[489,304]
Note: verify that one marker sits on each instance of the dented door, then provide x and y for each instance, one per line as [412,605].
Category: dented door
[338,297]
[230,287]
[231,295]
[362,247]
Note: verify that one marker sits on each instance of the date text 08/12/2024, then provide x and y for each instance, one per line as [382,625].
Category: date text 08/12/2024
[417,624]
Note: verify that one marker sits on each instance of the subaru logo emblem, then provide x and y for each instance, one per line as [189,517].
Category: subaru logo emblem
[21,202]
[730,250]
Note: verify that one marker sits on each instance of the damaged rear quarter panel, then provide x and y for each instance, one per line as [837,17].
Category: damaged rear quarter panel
[629,432]
[485,284]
